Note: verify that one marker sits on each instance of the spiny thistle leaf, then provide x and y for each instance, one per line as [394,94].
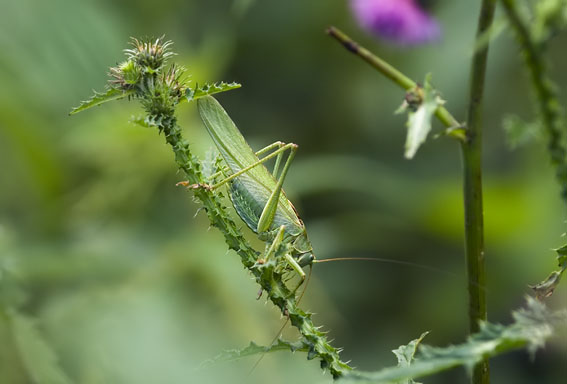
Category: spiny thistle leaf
[549,104]
[142,121]
[421,104]
[38,358]
[531,327]
[209,89]
[546,287]
[101,97]
[406,355]
[255,349]
[212,163]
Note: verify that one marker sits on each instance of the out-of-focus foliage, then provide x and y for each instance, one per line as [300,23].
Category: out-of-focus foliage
[519,132]
[254,349]
[126,285]
[550,16]
[531,327]
[547,286]
[406,355]
[534,52]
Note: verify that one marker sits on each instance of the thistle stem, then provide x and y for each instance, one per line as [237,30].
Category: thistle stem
[270,280]
[548,104]
[393,74]
[472,188]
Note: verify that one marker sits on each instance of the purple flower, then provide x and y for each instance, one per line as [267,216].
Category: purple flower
[400,21]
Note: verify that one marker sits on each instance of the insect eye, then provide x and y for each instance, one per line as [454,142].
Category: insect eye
[306,259]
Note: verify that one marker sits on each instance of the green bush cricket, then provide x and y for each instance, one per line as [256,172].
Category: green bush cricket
[257,194]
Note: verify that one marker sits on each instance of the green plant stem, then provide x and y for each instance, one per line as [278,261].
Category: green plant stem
[472,188]
[271,281]
[548,104]
[393,74]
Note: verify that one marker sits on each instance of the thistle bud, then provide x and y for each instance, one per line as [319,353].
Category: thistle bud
[125,76]
[149,56]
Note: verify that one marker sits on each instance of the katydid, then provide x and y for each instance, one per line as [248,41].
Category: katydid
[257,194]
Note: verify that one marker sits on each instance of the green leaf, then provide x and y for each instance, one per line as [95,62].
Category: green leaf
[142,121]
[101,97]
[255,349]
[406,355]
[531,327]
[546,287]
[562,255]
[37,356]
[209,89]
[211,164]
[421,104]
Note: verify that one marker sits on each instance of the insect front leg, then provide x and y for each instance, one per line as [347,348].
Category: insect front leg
[296,267]
[275,244]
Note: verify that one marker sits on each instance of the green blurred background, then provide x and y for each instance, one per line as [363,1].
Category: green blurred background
[127,286]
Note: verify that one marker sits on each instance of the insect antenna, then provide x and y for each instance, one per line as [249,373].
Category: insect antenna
[389,261]
[398,262]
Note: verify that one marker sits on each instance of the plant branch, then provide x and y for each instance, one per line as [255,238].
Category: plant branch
[393,74]
[548,104]
[472,188]
[266,275]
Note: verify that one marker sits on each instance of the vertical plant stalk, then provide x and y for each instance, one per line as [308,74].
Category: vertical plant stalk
[472,164]
[472,188]
[548,103]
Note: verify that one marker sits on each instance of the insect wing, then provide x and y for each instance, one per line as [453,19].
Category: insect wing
[250,191]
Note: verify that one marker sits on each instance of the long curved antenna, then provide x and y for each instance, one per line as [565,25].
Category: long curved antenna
[398,262]
[389,261]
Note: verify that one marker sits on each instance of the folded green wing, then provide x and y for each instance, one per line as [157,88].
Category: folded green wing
[251,191]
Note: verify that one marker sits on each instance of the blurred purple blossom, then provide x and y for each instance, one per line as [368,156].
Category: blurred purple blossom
[400,21]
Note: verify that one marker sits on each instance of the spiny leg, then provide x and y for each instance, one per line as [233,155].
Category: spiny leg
[277,144]
[292,147]
[279,152]
[269,211]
